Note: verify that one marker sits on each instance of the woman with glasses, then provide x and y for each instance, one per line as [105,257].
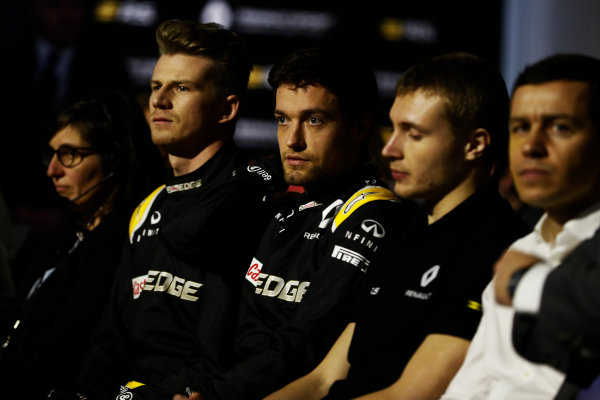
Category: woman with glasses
[101,161]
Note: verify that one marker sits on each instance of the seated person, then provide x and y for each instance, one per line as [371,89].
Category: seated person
[417,315]
[564,331]
[554,146]
[301,284]
[95,164]
[176,293]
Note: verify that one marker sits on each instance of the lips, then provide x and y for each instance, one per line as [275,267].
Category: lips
[295,161]
[533,171]
[531,175]
[161,119]
[60,188]
[398,175]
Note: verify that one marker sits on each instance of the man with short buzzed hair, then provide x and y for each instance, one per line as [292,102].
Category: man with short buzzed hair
[415,318]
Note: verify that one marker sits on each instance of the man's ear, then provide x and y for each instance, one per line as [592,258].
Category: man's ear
[479,141]
[230,108]
[362,128]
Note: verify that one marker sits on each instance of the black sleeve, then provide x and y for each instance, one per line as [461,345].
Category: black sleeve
[459,310]
[270,358]
[565,333]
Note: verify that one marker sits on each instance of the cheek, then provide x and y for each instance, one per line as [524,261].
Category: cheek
[88,176]
[331,154]
[281,138]
[580,171]
[77,179]
[514,152]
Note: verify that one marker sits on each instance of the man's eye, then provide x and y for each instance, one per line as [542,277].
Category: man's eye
[154,88]
[519,128]
[280,120]
[314,121]
[182,88]
[413,135]
[558,127]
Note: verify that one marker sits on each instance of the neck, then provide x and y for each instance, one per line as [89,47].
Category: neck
[550,229]
[94,213]
[455,197]
[185,165]
[557,217]
[329,184]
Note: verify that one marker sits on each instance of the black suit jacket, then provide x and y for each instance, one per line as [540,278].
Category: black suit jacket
[565,333]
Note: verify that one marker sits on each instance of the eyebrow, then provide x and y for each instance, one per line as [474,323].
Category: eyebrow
[546,117]
[175,82]
[418,127]
[308,112]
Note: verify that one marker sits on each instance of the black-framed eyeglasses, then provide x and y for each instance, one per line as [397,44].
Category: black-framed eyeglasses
[68,156]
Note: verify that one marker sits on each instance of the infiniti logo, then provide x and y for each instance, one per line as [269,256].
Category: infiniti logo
[373,227]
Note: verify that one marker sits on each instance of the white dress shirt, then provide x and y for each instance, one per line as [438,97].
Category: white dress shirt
[492,369]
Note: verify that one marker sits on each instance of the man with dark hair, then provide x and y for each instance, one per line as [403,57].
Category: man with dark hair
[177,288]
[415,319]
[554,145]
[301,284]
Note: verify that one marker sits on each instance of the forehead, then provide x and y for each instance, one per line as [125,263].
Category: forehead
[68,135]
[180,67]
[418,106]
[551,98]
[291,97]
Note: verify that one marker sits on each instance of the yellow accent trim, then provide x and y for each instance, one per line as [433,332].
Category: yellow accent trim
[359,199]
[474,305]
[141,211]
[134,384]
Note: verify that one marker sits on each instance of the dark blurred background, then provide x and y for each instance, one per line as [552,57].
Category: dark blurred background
[55,51]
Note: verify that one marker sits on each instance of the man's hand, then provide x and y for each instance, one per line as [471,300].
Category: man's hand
[510,262]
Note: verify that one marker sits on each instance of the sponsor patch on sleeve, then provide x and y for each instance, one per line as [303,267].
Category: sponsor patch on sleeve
[474,305]
[351,257]
[141,212]
[254,271]
[358,199]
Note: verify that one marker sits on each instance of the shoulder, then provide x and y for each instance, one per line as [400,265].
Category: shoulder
[142,210]
[375,202]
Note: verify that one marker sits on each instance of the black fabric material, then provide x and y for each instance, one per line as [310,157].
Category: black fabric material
[298,295]
[565,333]
[192,248]
[434,286]
[48,347]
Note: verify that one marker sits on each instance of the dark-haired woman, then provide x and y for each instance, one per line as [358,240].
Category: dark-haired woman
[101,162]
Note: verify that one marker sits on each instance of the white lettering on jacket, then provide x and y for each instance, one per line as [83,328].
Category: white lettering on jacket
[163,281]
[274,286]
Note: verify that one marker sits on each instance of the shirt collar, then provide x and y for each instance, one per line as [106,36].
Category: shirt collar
[575,230]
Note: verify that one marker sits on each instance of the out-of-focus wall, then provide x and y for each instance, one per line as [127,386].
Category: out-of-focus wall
[534,29]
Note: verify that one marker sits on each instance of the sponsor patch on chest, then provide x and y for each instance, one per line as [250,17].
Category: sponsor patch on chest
[254,271]
[426,279]
[138,285]
[163,281]
[274,286]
